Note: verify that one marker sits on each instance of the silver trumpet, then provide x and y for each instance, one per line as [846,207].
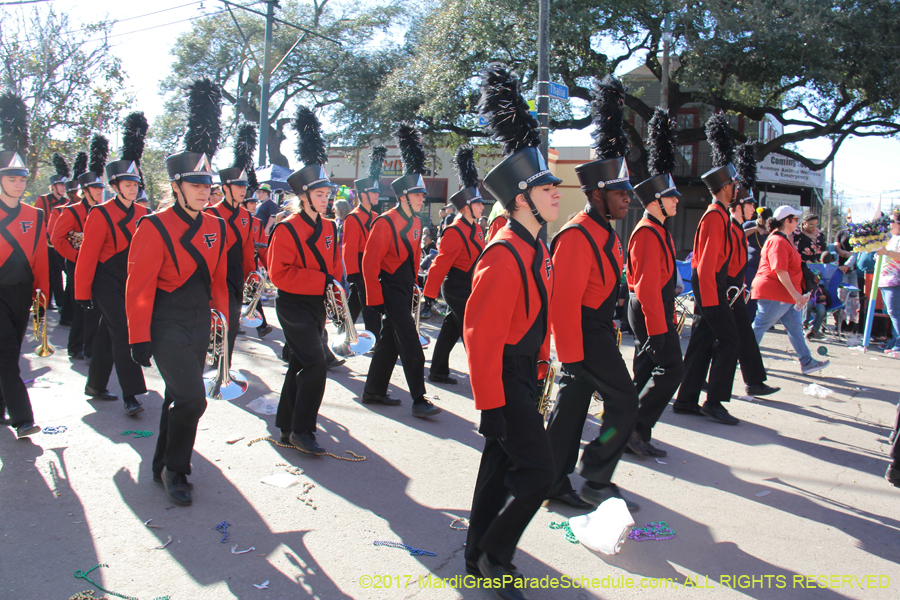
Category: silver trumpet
[222,383]
[253,289]
[417,313]
[737,292]
[349,342]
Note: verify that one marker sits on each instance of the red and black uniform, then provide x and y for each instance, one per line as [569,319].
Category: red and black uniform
[176,274]
[260,247]
[461,244]
[47,203]
[84,323]
[241,260]
[303,260]
[588,259]
[100,275]
[23,269]
[496,225]
[68,307]
[390,267]
[651,277]
[714,335]
[506,331]
[355,234]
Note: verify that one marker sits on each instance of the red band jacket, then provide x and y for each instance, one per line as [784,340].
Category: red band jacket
[588,258]
[496,225]
[260,237]
[712,249]
[356,230]
[512,305]
[23,247]
[302,252]
[54,216]
[461,244]
[108,231]
[393,241]
[170,248]
[738,261]
[47,203]
[239,243]
[71,219]
[651,264]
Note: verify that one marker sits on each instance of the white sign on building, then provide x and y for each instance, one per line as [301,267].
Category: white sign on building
[775,168]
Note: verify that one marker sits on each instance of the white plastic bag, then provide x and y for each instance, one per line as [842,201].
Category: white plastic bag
[605,529]
[264,405]
[819,391]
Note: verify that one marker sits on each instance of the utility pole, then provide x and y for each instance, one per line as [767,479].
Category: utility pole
[543,99]
[831,200]
[266,75]
[666,38]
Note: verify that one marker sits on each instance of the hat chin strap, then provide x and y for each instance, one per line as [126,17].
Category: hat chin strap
[185,206]
[662,207]
[311,205]
[537,214]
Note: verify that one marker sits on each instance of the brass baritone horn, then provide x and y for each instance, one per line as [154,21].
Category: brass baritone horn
[681,320]
[737,292]
[253,289]
[222,383]
[349,341]
[416,313]
[39,325]
[543,404]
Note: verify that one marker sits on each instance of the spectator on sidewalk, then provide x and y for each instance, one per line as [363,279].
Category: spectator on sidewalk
[889,283]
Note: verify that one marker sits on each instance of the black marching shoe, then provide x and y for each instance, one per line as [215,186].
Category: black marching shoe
[760,389]
[306,442]
[686,409]
[335,363]
[572,499]
[442,379]
[177,487]
[717,412]
[893,475]
[598,496]
[104,395]
[636,445]
[387,399]
[157,478]
[285,437]
[264,331]
[426,409]
[27,428]
[132,406]
[76,355]
[489,570]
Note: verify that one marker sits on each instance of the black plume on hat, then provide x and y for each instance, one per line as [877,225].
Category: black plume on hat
[464,161]
[311,148]
[99,154]
[244,147]
[719,139]
[662,143]
[80,166]
[509,121]
[608,109]
[204,112]
[746,168]
[376,162]
[412,150]
[13,124]
[134,134]
[61,166]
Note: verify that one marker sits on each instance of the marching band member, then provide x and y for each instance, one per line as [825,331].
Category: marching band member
[241,258]
[67,313]
[498,220]
[713,333]
[390,267]
[461,244]
[303,262]
[23,263]
[658,366]
[67,237]
[506,330]
[588,259]
[260,245]
[177,270]
[356,229]
[47,203]
[102,267]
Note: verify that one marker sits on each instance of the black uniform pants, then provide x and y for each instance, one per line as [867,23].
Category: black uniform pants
[302,319]
[357,300]
[179,339]
[604,372]
[714,337]
[656,375]
[15,303]
[234,321]
[84,322]
[68,310]
[57,266]
[398,338]
[515,473]
[752,368]
[112,345]
[456,294]
[895,446]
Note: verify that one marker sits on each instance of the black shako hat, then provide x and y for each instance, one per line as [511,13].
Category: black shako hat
[464,161]
[311,151]
[722,146]
[610,170]
[202,138]
[412,153]
[93,177]
[62,169]
[372,183]
[244,145]
[13,135]
[134,132]
[79,167]
[512,125]
[661,161]
[746,173]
